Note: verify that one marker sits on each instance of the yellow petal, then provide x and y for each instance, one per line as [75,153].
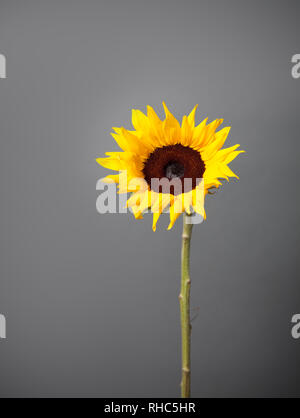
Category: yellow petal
[159,201]
[111,163]
[139,120]
[232,156]
[138,202]
[213,172]
[178,205]
[137,214]
[173,217]
[153,117]
[155,219]
[223,153]
[171,128]
[121,141]
[209,151]
[228,172]
[198,199]
[186,132]
[188,201]
[111,178]
[191,117]
[199,135]
[145,200]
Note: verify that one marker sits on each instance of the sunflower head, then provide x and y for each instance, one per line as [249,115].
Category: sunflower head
[165,164]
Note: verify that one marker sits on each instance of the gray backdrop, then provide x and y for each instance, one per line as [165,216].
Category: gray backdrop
[91,300]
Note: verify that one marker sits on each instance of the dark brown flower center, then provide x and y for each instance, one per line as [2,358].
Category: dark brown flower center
[174,162]
[173,170]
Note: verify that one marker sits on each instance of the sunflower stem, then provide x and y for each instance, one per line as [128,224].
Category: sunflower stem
[184,299]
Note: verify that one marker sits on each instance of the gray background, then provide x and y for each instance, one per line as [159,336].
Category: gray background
[91,300]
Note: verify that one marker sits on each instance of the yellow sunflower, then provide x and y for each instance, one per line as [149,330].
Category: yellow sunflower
[167,165]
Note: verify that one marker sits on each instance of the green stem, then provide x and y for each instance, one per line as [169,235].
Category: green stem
[184,298]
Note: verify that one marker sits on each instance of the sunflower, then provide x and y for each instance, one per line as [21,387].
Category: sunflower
[187,157]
